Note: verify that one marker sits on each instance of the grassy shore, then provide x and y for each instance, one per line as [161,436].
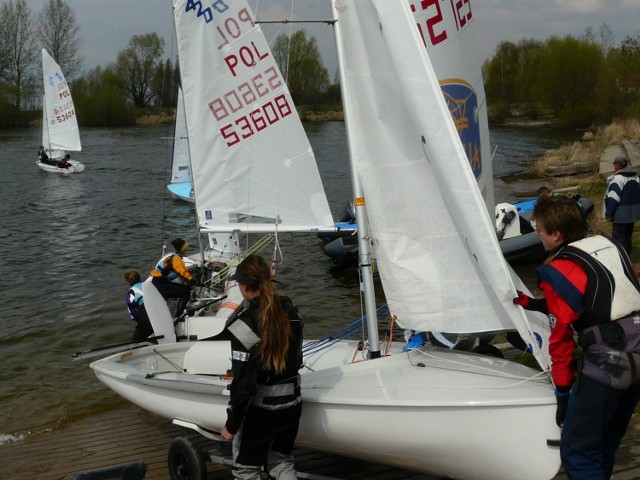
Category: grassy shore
[592,185]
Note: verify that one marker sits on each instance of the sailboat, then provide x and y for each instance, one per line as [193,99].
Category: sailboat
[252,167]
[60,132]
[180,185]
[411,409]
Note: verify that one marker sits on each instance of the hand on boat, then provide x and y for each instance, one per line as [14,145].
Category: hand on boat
[562,399]
[226,435]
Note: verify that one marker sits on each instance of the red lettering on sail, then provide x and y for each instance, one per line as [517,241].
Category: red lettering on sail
[247,55]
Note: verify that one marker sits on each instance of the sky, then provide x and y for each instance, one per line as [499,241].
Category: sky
[106,26]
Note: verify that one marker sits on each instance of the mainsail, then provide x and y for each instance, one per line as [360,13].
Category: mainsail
[251,163]
[60,125]
[438,256]
[180,166]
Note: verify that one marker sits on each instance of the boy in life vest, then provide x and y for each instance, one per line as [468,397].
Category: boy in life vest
[591,289]
[135,304]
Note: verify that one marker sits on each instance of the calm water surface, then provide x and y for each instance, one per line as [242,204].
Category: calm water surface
[67,241]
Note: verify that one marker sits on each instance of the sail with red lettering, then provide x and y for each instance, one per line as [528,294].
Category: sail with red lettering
[252,167]
[448,31]
[435,245]
[60,129]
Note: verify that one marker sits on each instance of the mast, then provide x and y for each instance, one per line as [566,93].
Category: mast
[364,252]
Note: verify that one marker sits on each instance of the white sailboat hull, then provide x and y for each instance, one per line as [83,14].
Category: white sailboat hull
[438,411]
[76,167]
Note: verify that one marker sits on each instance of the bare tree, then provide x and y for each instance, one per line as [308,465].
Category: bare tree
[18,38]
[137,65]
[58,31]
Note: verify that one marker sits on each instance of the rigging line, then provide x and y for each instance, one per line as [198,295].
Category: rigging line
[173,364]
[168,155]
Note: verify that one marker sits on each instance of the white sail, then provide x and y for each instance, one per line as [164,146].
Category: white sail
[438,256]
[59,112]
[180,185]
[450,37]
[252,166]
[180,166]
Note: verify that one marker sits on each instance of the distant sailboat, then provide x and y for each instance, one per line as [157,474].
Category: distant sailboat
[60,132]
[180,185]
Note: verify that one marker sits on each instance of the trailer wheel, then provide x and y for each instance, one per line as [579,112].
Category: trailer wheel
[186,461]
[488,349]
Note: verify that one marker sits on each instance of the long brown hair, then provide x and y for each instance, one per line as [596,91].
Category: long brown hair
[273,322]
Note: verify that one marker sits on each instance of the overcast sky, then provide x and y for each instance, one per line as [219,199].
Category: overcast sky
[107,25]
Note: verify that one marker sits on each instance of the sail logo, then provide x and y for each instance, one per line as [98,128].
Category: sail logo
[462,102]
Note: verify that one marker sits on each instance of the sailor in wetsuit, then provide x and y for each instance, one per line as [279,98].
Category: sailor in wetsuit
[591,288]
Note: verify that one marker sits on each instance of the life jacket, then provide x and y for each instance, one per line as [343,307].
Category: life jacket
[165,267]
[609,328]
[138,299]
[612,290]
[275,391]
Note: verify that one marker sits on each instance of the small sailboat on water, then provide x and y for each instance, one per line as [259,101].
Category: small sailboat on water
[180,185]
[60,133]
[444,273]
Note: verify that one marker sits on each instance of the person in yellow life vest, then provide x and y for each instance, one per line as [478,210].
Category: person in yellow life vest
[168,270]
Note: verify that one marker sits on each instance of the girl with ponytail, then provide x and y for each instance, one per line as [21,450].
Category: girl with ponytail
[266,352]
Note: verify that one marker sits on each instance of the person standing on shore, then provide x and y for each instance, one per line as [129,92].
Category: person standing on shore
[591,288]
[622,202]
[264,410]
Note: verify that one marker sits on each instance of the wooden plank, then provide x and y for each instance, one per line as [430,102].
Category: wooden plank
[130,434]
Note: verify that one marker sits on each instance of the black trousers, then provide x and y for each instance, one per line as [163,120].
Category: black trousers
[622,233]
[264,430]
[173,290]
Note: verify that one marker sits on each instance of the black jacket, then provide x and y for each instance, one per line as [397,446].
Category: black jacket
[253,384]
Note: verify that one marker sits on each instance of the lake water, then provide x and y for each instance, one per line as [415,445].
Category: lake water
[67,241]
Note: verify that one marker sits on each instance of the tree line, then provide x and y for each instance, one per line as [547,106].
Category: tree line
[577,81]
[140,78]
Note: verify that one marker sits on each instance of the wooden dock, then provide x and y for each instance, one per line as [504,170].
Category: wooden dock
[129,434]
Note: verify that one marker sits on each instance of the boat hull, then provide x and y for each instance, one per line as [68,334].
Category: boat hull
[431,410]
[76,167]
[182,191]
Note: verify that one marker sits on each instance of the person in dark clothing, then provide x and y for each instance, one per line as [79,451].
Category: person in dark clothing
[64,163]
[42,154]
[591,289]
[622,202]
[44,158]
[137,310]
[170,270]
[263,414]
